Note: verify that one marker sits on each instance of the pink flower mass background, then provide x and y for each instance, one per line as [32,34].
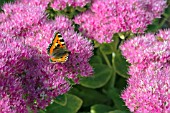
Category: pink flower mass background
[149,85]
[24,66]
[107,17]
[29,80]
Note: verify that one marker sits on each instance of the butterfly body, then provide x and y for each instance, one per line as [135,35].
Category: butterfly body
[57,50]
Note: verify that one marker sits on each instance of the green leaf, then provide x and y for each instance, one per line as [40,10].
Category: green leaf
[117,111]
[83,112]
[5,1]
[96,44]
[121,65]
[107,48]
[40,111]
[61,100]
[96,59]
[73,105]
[112,81]
[115,96]
[89,96]
[102,74]
[99,108]
[167,10]
[80,9]
[121,83]
[152,28]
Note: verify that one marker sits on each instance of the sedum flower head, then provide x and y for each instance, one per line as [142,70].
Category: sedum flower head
[148,88]
[25,36]
[107,17]
[11,92]
[18,17]
[149,47]
[80,47]
[33,74]
[11,100]
[42,3]
[56,4]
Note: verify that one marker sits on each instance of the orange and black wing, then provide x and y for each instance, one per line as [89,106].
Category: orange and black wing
[57,49]
[57,43]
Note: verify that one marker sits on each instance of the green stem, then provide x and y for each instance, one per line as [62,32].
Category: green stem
[114,70]
[106,59]
[111,82]
[164,20]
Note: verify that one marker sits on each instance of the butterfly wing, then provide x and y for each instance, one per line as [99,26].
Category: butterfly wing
[61,59]
[57,43]
[57,49]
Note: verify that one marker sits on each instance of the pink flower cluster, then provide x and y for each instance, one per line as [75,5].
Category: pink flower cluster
[41,3]
[11,94]
[148,88]
[62,4]
[107,17]
[57,4]
[149,47]
[27,76]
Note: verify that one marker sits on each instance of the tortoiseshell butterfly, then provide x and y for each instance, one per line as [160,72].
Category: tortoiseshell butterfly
[57,49]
